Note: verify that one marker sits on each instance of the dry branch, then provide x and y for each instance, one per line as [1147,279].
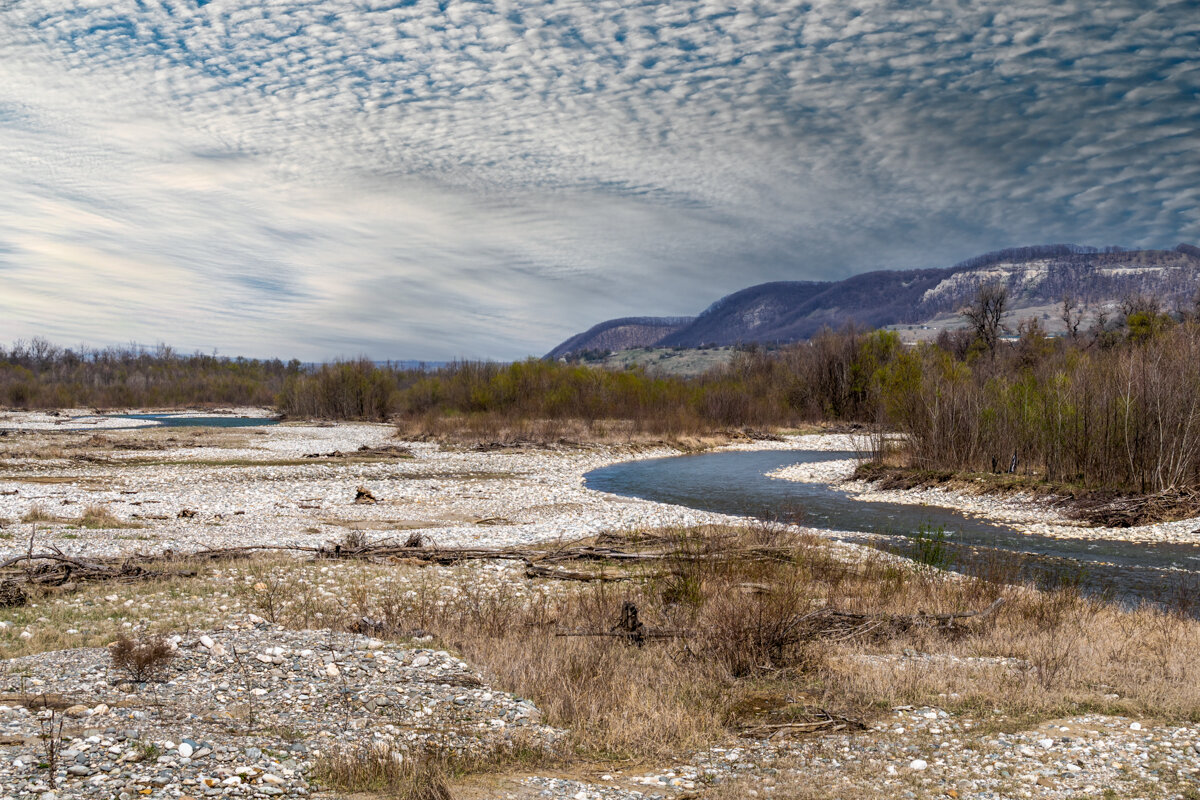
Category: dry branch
[823,721]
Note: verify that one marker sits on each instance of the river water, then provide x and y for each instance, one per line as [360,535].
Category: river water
[735,482]
[199,420]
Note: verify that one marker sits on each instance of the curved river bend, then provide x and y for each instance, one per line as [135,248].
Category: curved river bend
[736,483]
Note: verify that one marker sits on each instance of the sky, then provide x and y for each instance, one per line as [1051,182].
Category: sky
[414,179]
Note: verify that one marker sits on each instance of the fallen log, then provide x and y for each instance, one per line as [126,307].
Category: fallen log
[824,722]
[536,571]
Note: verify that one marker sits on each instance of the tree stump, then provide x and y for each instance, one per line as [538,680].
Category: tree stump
[630,625]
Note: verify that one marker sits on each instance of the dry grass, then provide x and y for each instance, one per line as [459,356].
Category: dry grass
[491,431]
[93,516]
[381,771]
[37,513]
[100,517]
[746,658]
[746,641]
[94,446]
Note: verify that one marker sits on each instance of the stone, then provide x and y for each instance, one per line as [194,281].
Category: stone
[917,765]
[186,750]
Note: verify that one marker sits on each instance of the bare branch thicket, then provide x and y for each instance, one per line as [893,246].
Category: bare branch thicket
[986,313]
[142,660]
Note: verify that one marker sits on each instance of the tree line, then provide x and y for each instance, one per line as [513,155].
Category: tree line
[1111,403]
[40,375]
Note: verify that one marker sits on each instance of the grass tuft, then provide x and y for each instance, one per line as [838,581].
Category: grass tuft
[100,517]
[381,771]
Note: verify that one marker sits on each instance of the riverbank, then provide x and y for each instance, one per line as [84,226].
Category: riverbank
[1023,511]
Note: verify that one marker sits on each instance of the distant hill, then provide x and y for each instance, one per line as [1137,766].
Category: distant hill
[786,311]
[626,333]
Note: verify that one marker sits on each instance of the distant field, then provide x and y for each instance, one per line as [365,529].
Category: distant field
[1050,317]
[669,360]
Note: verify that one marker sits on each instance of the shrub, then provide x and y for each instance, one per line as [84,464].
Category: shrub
[141,659]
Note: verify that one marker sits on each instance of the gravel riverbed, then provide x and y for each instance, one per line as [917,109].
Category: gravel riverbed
[263,490]
[246,706]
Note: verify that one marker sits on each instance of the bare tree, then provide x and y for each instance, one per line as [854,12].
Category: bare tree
[1072,316]
[985,313]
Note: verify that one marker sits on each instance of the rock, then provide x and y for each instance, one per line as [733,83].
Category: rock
[77,711]
[1135,726]
[421,661]
[207,642]
[917,765]
[186,750]
[332,670]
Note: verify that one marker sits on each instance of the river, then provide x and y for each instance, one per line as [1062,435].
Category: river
[735,482]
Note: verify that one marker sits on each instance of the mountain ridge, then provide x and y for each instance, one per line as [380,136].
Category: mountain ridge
[787,311]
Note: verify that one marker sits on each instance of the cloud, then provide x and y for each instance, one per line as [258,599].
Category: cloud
[438,179]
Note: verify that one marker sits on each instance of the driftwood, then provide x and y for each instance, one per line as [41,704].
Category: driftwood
[537,571]
[822,721]
[51,567]
[1128,512]
[836,626]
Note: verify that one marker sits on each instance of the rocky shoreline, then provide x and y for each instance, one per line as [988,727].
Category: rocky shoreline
[1023,512]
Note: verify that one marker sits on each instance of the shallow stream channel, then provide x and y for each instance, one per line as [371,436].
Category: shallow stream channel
[199,420]
[736,482]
